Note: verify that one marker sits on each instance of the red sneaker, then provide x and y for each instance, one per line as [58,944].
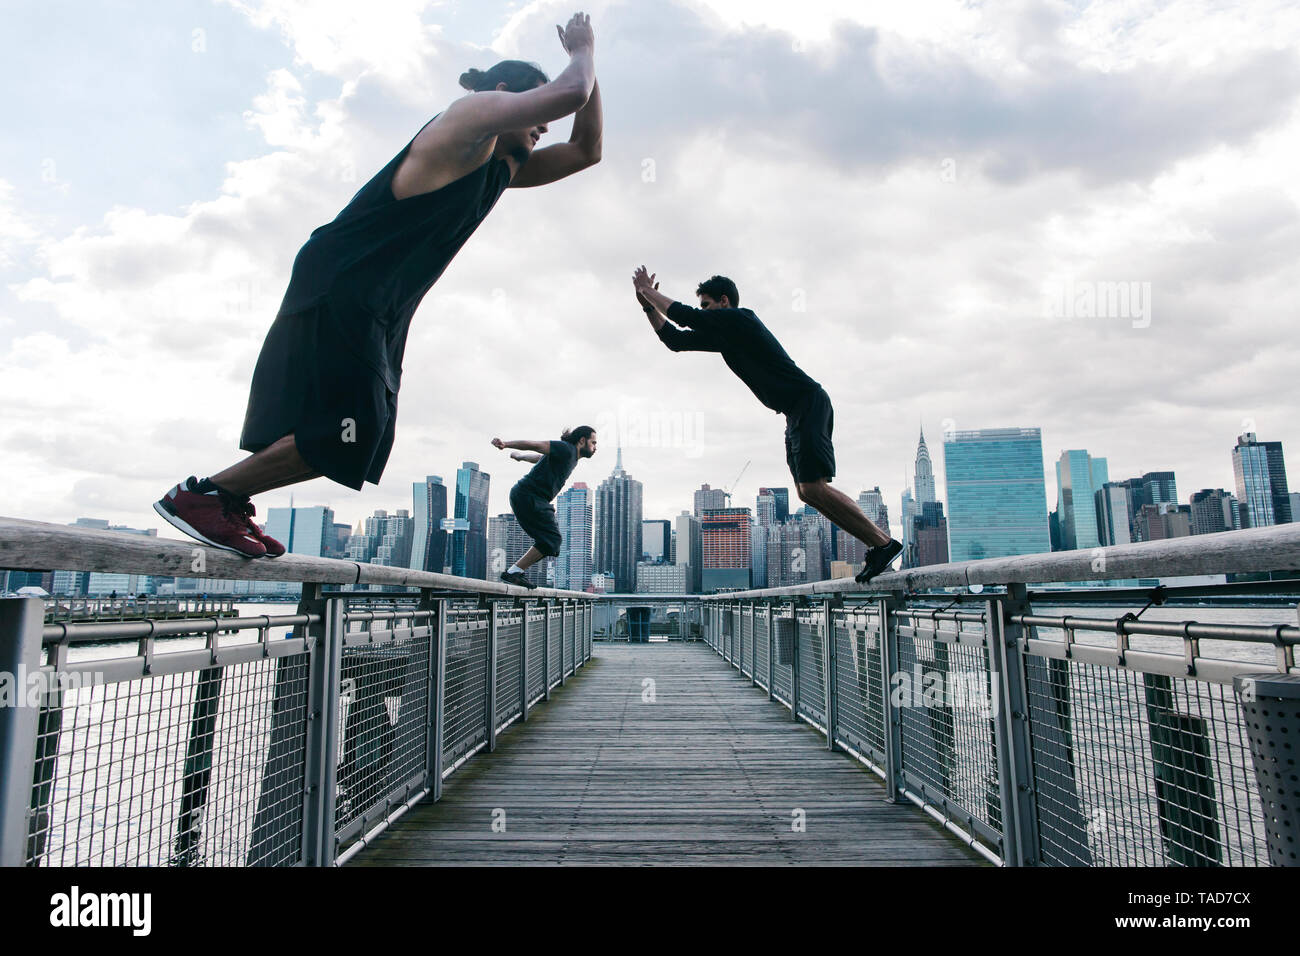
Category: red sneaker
[273,548]
[205,513]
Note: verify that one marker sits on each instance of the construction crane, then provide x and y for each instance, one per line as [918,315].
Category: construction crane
[735,481]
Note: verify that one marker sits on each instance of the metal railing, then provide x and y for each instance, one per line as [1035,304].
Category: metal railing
[261,741]
[1021,732]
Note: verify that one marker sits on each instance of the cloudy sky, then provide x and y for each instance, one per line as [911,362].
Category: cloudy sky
[905,193]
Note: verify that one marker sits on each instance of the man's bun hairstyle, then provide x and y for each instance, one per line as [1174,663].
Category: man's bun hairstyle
[575,435]
[517,75]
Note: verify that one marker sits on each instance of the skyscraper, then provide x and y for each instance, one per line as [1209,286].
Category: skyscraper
[342,532]
[393,535]
[429,541]
[997,498]
[794,553]
[780,501]
[930,532]
[1114,505]
[907,511]
[656,539]
[1158,522]
[827,533]
[758,552]
[1261,480]
[724,536]
[690,550]
[1079,477]
[618,527]
[468,527]
[1212,510]
[1158,488]
[924,479]
[573,515]
[873,505]
[507,542]
[707,498]
[308,531]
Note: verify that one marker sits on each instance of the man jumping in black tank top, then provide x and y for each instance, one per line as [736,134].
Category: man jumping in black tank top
[757,358]
[324,394]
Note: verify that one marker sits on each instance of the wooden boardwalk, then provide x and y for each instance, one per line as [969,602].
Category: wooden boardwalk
[711,772]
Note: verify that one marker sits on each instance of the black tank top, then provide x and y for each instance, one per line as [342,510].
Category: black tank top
[373,264]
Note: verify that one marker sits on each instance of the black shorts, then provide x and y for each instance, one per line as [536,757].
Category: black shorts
[808,448]
[308,382]
[536,516]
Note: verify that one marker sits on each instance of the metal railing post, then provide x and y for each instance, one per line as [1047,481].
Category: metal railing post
[830,666]
[426,602]
[492,677]
[440,702]
[771,650]
[753,643]
[546,650]
[586,631]
[564,617]
[1011,728]
[794,661]
[322,756]
[892,727]
[22,621]
[523,663]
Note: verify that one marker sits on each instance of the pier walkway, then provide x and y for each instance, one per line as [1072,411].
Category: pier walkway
[705,771]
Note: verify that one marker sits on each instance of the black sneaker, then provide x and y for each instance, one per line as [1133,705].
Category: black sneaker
[517,578]
[877,559]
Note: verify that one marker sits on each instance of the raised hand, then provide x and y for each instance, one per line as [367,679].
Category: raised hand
[642,280]
[498,443]
[577,34]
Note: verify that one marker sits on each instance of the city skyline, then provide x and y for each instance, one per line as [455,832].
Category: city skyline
[935,455]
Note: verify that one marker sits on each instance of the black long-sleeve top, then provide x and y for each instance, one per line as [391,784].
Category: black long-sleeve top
[748,348]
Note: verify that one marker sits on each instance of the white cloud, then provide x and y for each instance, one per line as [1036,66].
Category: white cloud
[1116,143]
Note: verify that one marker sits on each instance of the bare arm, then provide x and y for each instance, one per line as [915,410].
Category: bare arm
[564,159]
[485,114]
[461,137]
[541,447]
[528,456]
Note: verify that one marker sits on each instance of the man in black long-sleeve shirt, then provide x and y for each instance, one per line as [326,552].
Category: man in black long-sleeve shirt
[753,353]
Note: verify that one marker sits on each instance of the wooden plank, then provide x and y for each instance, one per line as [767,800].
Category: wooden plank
[709,773]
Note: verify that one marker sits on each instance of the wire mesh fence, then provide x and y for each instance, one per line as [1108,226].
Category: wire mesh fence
[510,658]
[1130,759]
[218,744]
[860,683]
[168,770]
[536,655]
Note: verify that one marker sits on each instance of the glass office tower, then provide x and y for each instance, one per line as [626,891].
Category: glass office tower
[997,498]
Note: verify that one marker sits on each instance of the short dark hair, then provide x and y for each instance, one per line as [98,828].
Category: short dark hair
[517,75]
[577,434]
[716,287]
